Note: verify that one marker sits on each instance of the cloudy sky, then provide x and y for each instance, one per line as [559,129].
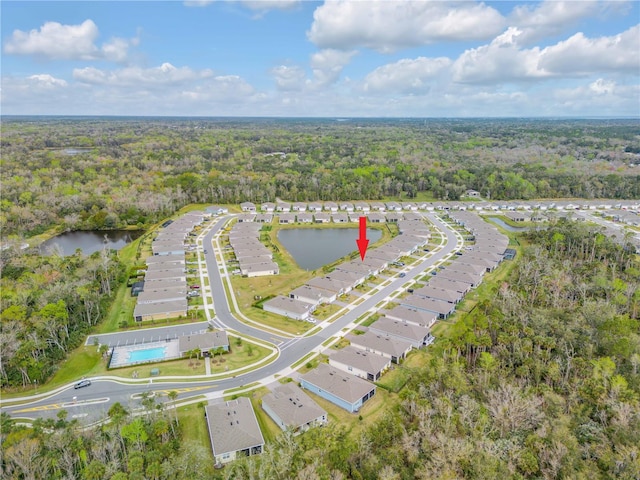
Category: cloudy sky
[335,58]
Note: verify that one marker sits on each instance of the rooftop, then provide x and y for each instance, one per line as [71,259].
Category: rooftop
[366,361]
[203,341]
[340,384]
[292,405]
[381,343]
[233,426]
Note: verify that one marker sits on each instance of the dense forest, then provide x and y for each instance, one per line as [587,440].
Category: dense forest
[49,305]
[541,380]
[136,171]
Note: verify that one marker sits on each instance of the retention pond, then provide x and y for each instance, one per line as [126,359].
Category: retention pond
[312,248]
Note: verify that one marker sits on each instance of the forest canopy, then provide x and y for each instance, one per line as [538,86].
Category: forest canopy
[103,173]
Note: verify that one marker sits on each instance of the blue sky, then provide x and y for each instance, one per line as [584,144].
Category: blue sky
[334,58]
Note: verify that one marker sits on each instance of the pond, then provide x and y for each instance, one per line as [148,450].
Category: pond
[506,226]
[313,248]
[72,151]
[89,241]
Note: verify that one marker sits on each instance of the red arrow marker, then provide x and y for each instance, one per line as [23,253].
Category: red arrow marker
[362,241]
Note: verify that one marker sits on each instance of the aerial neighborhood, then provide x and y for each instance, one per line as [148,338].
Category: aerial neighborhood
[348,376]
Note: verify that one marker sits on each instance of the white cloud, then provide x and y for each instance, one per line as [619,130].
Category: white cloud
[579,55]
[550,17]
[36,93]
[504,61]
[54,41]
[45,80]
[288,78]
[387,26]
[600,97]
[500,61]
[165,74]
[406,75]
[327,65]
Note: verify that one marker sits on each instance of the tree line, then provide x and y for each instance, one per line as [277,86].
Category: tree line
[135,172]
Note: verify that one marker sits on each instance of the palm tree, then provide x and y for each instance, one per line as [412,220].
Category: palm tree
[173,395]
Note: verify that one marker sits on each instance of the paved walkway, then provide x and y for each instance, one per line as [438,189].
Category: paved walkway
[207,365]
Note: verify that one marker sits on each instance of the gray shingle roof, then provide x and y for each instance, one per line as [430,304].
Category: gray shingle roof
[233,426]
[292,405]
[340,384]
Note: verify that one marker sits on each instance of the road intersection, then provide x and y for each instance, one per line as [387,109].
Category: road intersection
[92,403]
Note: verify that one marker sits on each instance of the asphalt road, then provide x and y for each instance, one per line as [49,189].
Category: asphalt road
[91,403]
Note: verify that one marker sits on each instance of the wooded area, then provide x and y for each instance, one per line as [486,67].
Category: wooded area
[49,305]
[137,171]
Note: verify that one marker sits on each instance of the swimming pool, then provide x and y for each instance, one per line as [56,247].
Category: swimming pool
[147,354]
[125,355]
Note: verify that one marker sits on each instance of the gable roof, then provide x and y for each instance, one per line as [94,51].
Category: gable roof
[233,426]
[203,341]
[400,329]
[381,343]
[410,315]
[339,384]
[292,405]
[357,358]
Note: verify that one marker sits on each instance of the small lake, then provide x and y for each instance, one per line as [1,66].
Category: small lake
[312,248]
[74,150]
[506,226]
[90,241]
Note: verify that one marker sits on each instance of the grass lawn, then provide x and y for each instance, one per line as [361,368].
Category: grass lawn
[311,364]
[172,367]
[269,428]
[194,426]
[370,320]
[371,411]
[325,311]
[394,380]
[239,357]
[296,327]
[121,310]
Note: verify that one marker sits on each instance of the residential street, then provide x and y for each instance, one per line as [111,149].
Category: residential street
[91,403]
